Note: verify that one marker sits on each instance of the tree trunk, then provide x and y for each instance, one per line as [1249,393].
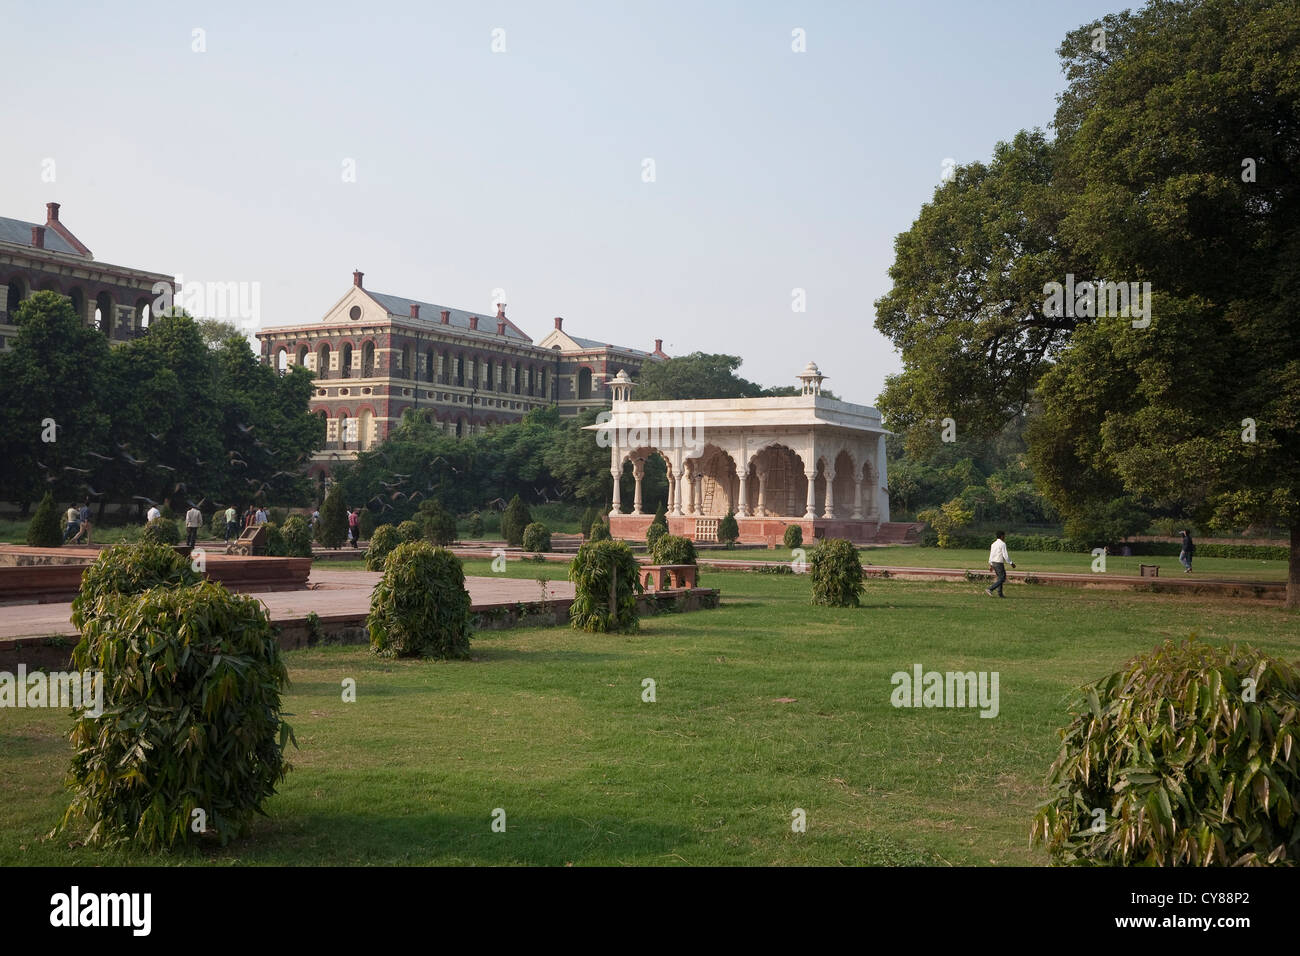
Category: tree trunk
[1293,570]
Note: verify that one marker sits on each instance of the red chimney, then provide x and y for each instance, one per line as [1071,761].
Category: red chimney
[473,321]
[356,278]
[559,323]
[659,346]
[446,317]
[51,212]
[415,310]
[501,310]
[38,237]
[501,326]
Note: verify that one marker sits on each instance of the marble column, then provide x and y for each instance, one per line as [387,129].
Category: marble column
[618,504]
[742,505]
[690,493]
[672,494]
[638,472]
[810,511]
[857,496]
[761,511]
[830,495]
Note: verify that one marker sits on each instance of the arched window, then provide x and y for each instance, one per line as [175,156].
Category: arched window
[488,376]
[104,313]
[142,314]
[428,365]
[282,361]
[323,361]
[365,428]
[78,298]
[345,361]
[460,374]
[584,383]
[302,356]
[18,292]
[407,359]
[367,359]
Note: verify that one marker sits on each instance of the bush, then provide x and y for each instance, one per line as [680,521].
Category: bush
[589,518]
[420,608]
[161,531]
[297,537]
[599,531]
[46,527]
[474,526]
[382,543]
[728,530]
[274,540]
[333,528]
[438,525]
[409,531]
[367,522]
[130,569]
[217,526]
[537,537]
[673,549]
[793,537]
[658,528]
[948,520]
[1186,768]
[592,570]
[514,520]
[192,683]
[836,573]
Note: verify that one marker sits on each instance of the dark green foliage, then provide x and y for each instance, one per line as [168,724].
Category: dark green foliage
[673,549]
[366,523]
[297,537]
[599,530]
[274,540]
[514,520]
[130,569]
[728,530]
[836,572]
[1189,750]
[438,525]
[192,680]
[46,528]
[793,537]
[537,537]
[474,526]
[591,571]
[658,528]
[420,608]
[217,526]
[1257,552]
[409,531]
[161,531]
[382,543]
[333,528]
[589,518]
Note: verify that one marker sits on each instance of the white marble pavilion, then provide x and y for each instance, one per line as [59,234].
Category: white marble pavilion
[805,459]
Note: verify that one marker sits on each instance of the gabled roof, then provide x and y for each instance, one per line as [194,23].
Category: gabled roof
[430,314]
[593,344]
[19,233]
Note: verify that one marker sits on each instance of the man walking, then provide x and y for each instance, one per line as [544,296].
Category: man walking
[1186,552]
[83,517]
[73,518]
[153,513]
[232,528]
[193,519]
[354,526]
[998,561]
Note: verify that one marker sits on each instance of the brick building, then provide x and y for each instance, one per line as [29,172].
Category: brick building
[48,257]
[376,355]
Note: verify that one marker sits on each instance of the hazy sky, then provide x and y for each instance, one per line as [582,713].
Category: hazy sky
[524,170]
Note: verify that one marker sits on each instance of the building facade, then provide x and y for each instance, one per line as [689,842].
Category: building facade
[36,257]
[376,356]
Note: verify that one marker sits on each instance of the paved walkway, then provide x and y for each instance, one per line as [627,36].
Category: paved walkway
[329,593]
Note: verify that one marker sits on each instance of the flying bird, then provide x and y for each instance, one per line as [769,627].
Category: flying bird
[99,456]
[80,471]
[244,428]
[132,461]
[148,501]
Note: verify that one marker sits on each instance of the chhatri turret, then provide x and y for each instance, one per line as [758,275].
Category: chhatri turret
[810,380]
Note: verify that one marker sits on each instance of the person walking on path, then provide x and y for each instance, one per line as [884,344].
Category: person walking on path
[1186,553]
[232,524]
[261,517]
[73,518]
[998,561]
[354,526]
[83,516]
[193,520]
[250,517]
[152,514]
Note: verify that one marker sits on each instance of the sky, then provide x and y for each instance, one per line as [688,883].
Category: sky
[461,153]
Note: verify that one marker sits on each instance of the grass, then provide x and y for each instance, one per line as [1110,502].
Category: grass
[911,556]
[550,725]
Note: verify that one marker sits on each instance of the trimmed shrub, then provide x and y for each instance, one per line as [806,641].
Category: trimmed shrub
[161,531]
[474,526]
[382,542]
[673,549]
[589,518]
[217,526]
[297,537]
[420,608]
[599,531]
[658,528]
[1190,753]
[948,520]
[130,569]
[438,526]
[275,547]
[728,530]
[333,528]
[793,537]
[46,527]
[514,520]
[596,566]
[409,531]
[537,537]
[836,572]
[367,522]
[192,684]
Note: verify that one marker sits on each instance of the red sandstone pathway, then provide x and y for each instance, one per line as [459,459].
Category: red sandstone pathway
[329,592]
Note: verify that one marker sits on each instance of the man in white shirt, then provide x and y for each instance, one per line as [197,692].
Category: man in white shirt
[998,561]
[193,521]
[153,513]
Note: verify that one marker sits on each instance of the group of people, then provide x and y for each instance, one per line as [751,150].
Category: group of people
[78,524]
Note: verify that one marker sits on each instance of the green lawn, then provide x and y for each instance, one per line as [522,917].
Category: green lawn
[911,556]
[549,725]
